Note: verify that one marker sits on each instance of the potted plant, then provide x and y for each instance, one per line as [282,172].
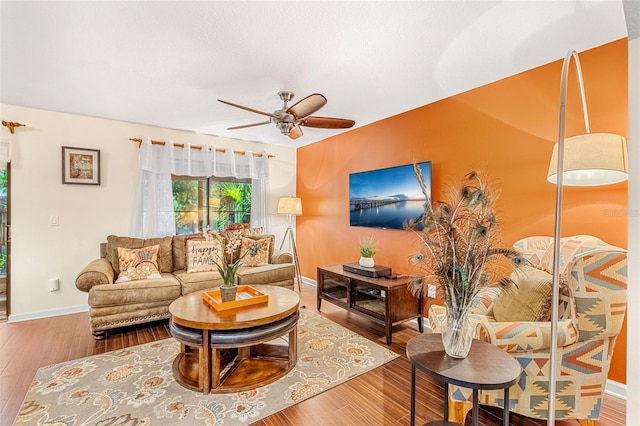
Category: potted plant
[367,249]
[228,272]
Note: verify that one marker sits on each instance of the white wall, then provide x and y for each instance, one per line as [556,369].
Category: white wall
[87,213]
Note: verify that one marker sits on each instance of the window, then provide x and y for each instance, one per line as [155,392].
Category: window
[217,202]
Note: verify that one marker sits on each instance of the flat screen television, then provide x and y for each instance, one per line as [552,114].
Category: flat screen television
[386,198]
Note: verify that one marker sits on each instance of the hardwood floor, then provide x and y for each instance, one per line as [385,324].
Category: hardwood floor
[379,397]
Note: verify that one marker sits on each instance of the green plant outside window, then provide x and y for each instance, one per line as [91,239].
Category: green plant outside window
[216,202]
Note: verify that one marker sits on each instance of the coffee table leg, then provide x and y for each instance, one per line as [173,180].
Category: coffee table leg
[293,347]
[413,394]
[205,357]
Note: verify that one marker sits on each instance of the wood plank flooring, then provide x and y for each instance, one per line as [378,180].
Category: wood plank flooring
[379,397]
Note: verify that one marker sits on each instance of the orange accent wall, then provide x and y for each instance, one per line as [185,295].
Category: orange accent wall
[507,129]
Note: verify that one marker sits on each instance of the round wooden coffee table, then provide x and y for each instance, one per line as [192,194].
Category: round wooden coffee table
[235,349]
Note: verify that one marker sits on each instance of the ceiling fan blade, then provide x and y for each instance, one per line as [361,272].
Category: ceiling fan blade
[268,114]
[307,106]
[249,125]
[295,132]
[327,122]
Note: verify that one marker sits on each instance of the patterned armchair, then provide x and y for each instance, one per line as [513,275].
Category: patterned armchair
[590,317]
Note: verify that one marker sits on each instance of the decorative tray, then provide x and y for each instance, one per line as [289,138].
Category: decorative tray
[245,296]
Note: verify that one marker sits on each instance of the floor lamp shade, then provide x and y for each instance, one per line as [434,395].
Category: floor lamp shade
[591,159]
[290,205]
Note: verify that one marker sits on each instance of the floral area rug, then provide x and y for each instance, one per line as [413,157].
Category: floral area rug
[135,386]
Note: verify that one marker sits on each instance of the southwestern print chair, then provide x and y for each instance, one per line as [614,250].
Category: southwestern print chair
[590,316]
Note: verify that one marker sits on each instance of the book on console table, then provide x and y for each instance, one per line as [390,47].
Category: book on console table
[376,271]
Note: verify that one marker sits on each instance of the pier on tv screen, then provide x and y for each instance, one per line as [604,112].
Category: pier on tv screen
[386,198]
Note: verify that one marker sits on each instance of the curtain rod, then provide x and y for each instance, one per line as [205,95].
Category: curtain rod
[181,145]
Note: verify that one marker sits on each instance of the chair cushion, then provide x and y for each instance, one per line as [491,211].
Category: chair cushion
[526,296]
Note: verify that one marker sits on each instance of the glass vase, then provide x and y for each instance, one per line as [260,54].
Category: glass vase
[457,334]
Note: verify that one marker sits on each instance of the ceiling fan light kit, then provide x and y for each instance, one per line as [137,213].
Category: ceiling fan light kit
[288,120]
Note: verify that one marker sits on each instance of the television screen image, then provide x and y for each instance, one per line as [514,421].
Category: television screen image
[386,198]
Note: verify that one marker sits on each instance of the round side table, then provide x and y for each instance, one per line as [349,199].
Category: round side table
[486,367]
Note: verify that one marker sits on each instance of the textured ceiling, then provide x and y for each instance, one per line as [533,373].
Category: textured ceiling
[166,63]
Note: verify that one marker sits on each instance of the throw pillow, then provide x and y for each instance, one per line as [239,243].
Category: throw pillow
[202,256]
[165,257]
[138,264]
[255,252]
[253,232]
[526,296]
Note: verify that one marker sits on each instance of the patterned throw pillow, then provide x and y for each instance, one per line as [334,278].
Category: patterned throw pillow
[203,255]
[255,252]
[138,264]
[526,297]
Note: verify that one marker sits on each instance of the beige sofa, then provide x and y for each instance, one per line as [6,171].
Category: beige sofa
[113,305]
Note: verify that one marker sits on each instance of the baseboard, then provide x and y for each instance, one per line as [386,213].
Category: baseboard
[612,388]
[309,281]
[48,313]
[619,390]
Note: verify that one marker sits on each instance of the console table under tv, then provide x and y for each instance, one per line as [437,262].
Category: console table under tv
[386,301]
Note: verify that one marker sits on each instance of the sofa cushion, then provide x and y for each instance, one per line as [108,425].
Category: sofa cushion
[526,297]
[165,255]
[203,256]
[265,274]
[138,264]
[163,289]
[180,249]
[255,252]
[197,281]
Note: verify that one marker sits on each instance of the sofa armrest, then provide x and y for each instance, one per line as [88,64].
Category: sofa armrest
[98,271]
[281,257]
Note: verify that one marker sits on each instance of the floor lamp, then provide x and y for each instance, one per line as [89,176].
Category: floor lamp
[585,160]
[291,206]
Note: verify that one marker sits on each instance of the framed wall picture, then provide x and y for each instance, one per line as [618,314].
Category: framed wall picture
[80,166]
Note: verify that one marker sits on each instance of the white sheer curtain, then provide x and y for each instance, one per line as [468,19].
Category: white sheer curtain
[5,148]
[153,203]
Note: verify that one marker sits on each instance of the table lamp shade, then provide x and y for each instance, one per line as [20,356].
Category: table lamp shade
[591,159]
[290,205]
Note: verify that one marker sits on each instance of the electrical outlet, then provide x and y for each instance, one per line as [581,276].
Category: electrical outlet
[431,291]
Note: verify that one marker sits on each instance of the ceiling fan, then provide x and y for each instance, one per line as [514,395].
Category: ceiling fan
[288,119]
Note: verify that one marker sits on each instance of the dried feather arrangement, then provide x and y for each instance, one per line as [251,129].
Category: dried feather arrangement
[459,237]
